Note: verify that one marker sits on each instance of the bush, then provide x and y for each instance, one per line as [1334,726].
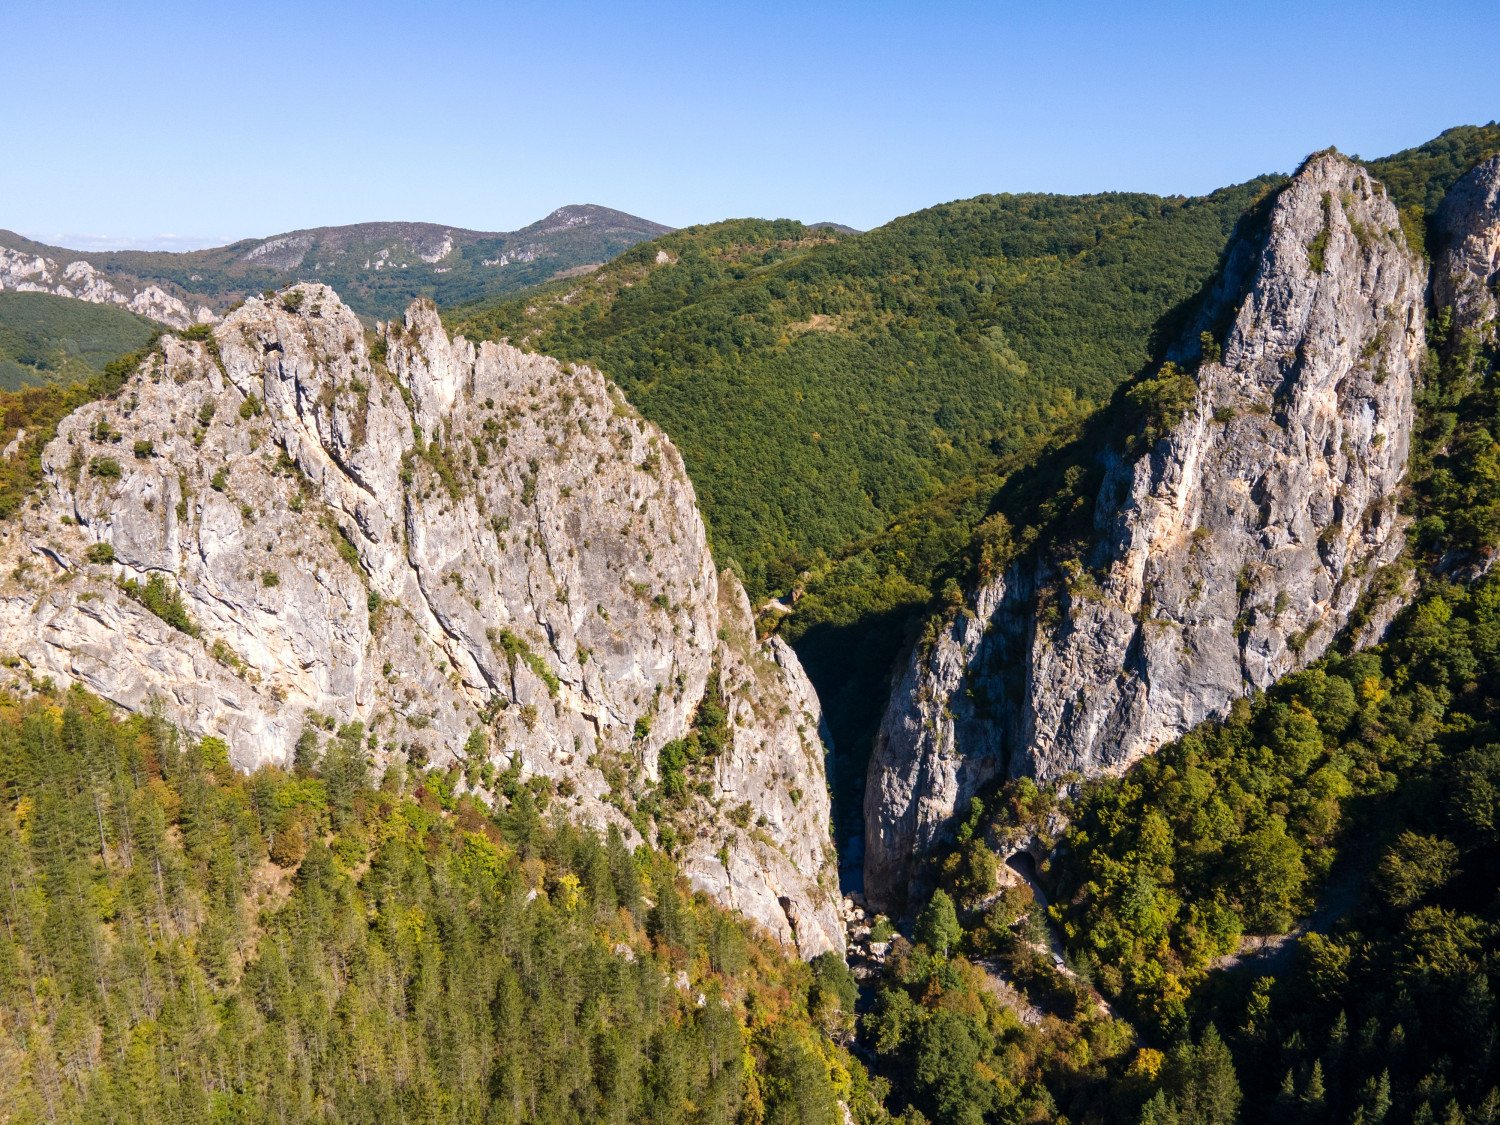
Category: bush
[833,995]
[1161,400]
[671,762]
[970,873]
[1317,251]
[516,648]
[162,598]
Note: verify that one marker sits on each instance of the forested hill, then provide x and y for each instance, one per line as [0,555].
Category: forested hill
[859,608]
[47,339]
[1421,176]
[819,383]
[181,942]
[377,267]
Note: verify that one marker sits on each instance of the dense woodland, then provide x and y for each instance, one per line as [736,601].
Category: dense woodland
[183,942]
[819,385]
[47,339]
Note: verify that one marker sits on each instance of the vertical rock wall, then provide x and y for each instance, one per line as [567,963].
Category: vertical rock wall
[474,552]
[1229,553]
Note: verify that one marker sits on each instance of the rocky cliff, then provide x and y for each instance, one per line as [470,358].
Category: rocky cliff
[1466,278]
[1228,552]
[27,272]
[475,553]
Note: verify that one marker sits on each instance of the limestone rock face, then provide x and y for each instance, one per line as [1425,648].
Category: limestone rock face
[33,273]
[1228,555]
[474,552]
[1468,265]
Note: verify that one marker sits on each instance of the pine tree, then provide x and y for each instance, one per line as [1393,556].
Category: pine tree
[1375,1098]
[1313,1094]
[1204,1081]
[1159,1110]
[937,926]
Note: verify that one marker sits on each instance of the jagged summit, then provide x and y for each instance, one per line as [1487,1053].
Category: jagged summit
[478,554]
[1468,227]
[1229,552]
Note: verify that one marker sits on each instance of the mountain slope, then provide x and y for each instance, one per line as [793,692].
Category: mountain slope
[1421,176]
[1294,905]
[480,556]
[379,267]
[47,339]
[1374,774]
[818,384]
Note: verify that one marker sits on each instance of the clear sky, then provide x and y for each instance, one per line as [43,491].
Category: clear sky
[150,122]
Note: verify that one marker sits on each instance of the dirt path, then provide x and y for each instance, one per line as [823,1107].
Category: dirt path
[1024,866]
[1270,953]
[998,985]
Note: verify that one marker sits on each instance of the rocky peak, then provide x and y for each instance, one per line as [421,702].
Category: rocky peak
[1231,552]
[430,365]
[1468,268]
[479,555]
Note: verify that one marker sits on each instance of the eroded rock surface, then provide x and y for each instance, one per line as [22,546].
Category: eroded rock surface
[34,273]
[472,551]
[1468,267]
[1228,555]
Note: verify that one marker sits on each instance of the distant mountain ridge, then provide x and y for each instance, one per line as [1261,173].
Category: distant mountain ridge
[380,266]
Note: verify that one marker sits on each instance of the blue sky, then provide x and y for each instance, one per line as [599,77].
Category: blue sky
[203,122]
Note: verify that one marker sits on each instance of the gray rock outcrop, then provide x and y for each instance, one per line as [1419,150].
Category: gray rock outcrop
[476,553]
[1467,271]
[34,273]
[1230,553]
